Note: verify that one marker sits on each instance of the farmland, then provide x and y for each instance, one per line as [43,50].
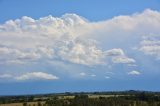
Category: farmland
[123,98]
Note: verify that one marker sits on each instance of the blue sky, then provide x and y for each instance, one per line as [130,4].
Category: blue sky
[92,10]
[77,45]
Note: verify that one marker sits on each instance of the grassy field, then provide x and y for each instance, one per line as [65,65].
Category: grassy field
[127,98]
[21,104]
[90,96]
[60,97]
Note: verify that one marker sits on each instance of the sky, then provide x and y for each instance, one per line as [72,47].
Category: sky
[77,45]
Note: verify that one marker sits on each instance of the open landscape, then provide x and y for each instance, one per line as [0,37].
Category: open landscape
[79,52]
[122,98]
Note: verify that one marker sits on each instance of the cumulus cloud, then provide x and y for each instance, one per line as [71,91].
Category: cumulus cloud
[107,77]
[82,74]
[48,38]
[72,38]
[93,75]
[81,52]
[134,72]
[36,76]
[29,76]
[5,76]
[28,40]
[52,37]
[115,52]
[123,59]
[150,45]
[118,56]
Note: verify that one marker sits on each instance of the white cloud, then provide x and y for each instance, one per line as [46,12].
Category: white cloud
[81,53]
[134,72]
[107,77]
[93,75]
[82,74]
[151,50]
[118,56]
[123,59]
[6,76]
[36,76]
[115,52]
[29,76]
[151,45]
[10,55]
[73,39]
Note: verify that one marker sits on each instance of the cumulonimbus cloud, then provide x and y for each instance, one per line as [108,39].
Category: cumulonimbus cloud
[72,38]
[26,39]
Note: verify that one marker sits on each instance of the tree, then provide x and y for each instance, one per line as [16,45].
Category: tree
[39,104]
[25,104]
